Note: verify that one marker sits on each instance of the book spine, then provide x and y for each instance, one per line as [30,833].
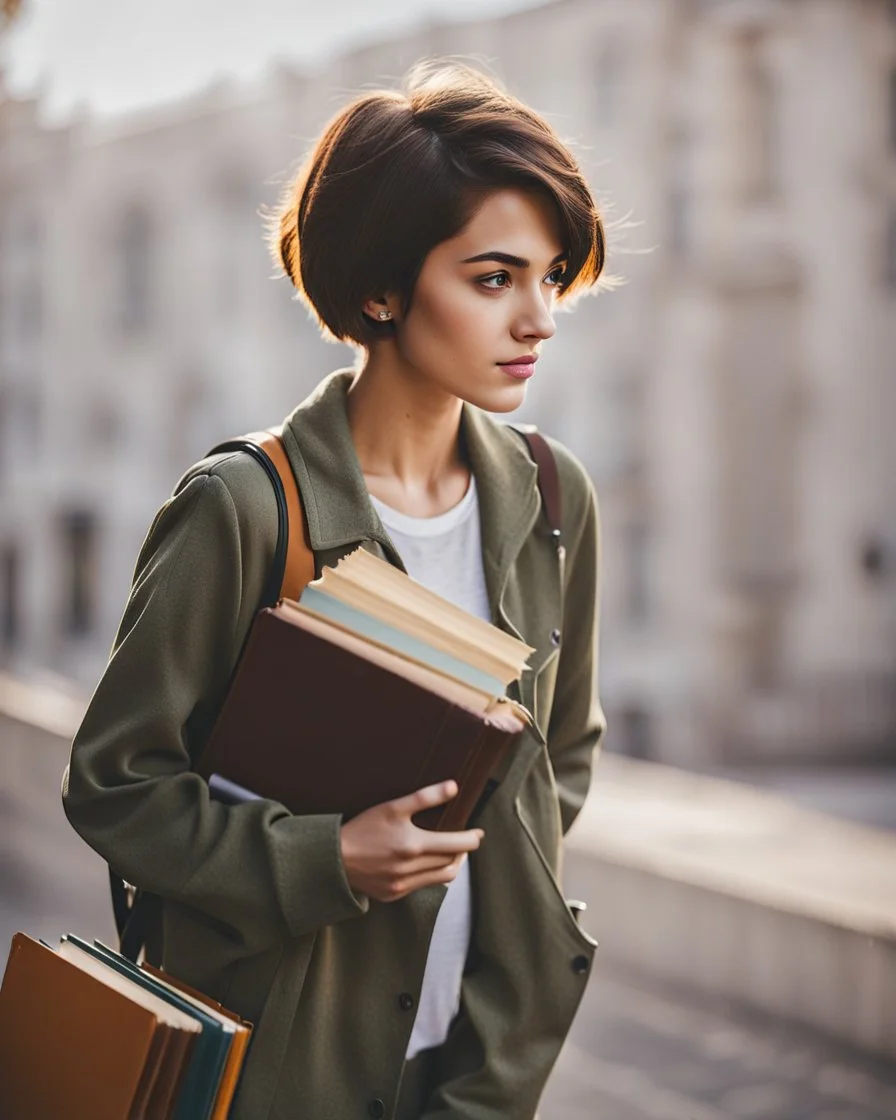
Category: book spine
[488,749]
[466,749]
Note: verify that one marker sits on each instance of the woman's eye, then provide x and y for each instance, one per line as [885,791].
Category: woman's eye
[496,282]
[555,276]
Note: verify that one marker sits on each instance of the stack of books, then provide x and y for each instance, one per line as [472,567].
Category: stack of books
[367,689]
[87,1035]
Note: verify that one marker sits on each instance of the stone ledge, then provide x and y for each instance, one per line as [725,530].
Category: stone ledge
[741,893]
[44,707]
[735,891]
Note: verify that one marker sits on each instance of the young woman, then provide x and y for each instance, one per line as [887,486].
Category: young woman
[389,971]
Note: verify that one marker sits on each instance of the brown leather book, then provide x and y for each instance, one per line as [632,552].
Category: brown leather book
[237,1055]
[147,1090]
[329,724]
[173,1066]
[72,1045]
[164,1073]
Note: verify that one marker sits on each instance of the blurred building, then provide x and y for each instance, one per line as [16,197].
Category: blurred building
[732,400]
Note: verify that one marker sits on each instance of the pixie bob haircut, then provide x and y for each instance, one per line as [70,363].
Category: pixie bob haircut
[396,173]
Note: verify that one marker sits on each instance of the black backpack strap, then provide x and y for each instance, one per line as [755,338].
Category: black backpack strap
[137,912]
[548,478]
[138,917]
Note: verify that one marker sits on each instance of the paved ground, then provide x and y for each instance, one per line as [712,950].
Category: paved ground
[638,1050]
[641,1051]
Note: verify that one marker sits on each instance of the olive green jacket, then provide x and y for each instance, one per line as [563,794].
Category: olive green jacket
[257,908]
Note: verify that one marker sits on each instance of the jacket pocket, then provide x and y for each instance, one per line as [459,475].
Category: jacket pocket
[566,921]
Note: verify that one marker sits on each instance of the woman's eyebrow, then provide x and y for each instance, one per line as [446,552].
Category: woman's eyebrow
[510,259]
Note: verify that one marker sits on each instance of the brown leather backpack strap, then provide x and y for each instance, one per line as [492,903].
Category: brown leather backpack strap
[138,913]
[548,477]
[299,569]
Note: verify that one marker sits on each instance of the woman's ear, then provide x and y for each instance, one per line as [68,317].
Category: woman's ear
[379,309]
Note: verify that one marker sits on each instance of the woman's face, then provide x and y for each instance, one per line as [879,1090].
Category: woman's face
[485,298]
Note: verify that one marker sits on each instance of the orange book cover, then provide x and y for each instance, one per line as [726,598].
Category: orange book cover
[237,1054]
[69,1045]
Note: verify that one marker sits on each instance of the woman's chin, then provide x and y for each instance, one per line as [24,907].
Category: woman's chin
[506,399]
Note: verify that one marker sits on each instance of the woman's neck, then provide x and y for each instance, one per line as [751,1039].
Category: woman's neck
[406,437]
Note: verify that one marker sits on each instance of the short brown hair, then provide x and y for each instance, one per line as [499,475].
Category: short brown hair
[396,173]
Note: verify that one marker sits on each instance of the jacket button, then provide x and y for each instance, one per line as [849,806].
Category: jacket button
[405,1001]
[579,965]
[377,1109]
[555,637]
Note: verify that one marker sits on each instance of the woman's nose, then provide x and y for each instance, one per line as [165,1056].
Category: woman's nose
[537,321]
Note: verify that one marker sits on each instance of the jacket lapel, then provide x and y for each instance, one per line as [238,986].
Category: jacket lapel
[508,500]
[322,454]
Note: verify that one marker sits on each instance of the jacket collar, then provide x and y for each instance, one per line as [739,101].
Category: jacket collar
[319,444]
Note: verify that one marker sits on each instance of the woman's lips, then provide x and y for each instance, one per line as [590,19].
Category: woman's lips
[521,368]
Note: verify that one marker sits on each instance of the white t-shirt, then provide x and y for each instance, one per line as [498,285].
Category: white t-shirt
[443,553]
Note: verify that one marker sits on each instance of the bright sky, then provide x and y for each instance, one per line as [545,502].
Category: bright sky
[115,55]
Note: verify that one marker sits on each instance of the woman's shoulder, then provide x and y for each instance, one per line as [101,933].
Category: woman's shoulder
[244,481]
[237,487]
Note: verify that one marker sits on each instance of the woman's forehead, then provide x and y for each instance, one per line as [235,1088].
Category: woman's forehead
[520,222]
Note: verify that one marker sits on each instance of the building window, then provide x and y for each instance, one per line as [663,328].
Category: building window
[30,309]
[193,417]
[893,109]
[636,733]
[680,194]
[637,549]
[30,235]
[610,65]
[106,425]
[136,256]
[10,596]
[80,572]
[767,127]
[29,417]
[238,241]
[679,218]
[762,148]
[890,251]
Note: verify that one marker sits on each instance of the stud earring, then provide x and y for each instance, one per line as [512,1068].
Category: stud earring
[384,314]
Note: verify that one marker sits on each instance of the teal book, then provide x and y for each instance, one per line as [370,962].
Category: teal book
[202,1077]
[364,624]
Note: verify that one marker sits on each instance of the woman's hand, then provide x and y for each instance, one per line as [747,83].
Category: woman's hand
[386,856]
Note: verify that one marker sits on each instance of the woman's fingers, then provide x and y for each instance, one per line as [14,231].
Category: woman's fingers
[387,856]
[423,865]
[426,841]
[449,843]
[407,884]
[426,798]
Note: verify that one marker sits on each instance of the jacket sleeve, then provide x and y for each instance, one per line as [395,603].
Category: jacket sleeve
[129,790]
[576,726]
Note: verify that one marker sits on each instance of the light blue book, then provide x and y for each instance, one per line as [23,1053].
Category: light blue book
[364,624]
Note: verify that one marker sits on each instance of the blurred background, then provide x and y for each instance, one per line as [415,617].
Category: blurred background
[733,401]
